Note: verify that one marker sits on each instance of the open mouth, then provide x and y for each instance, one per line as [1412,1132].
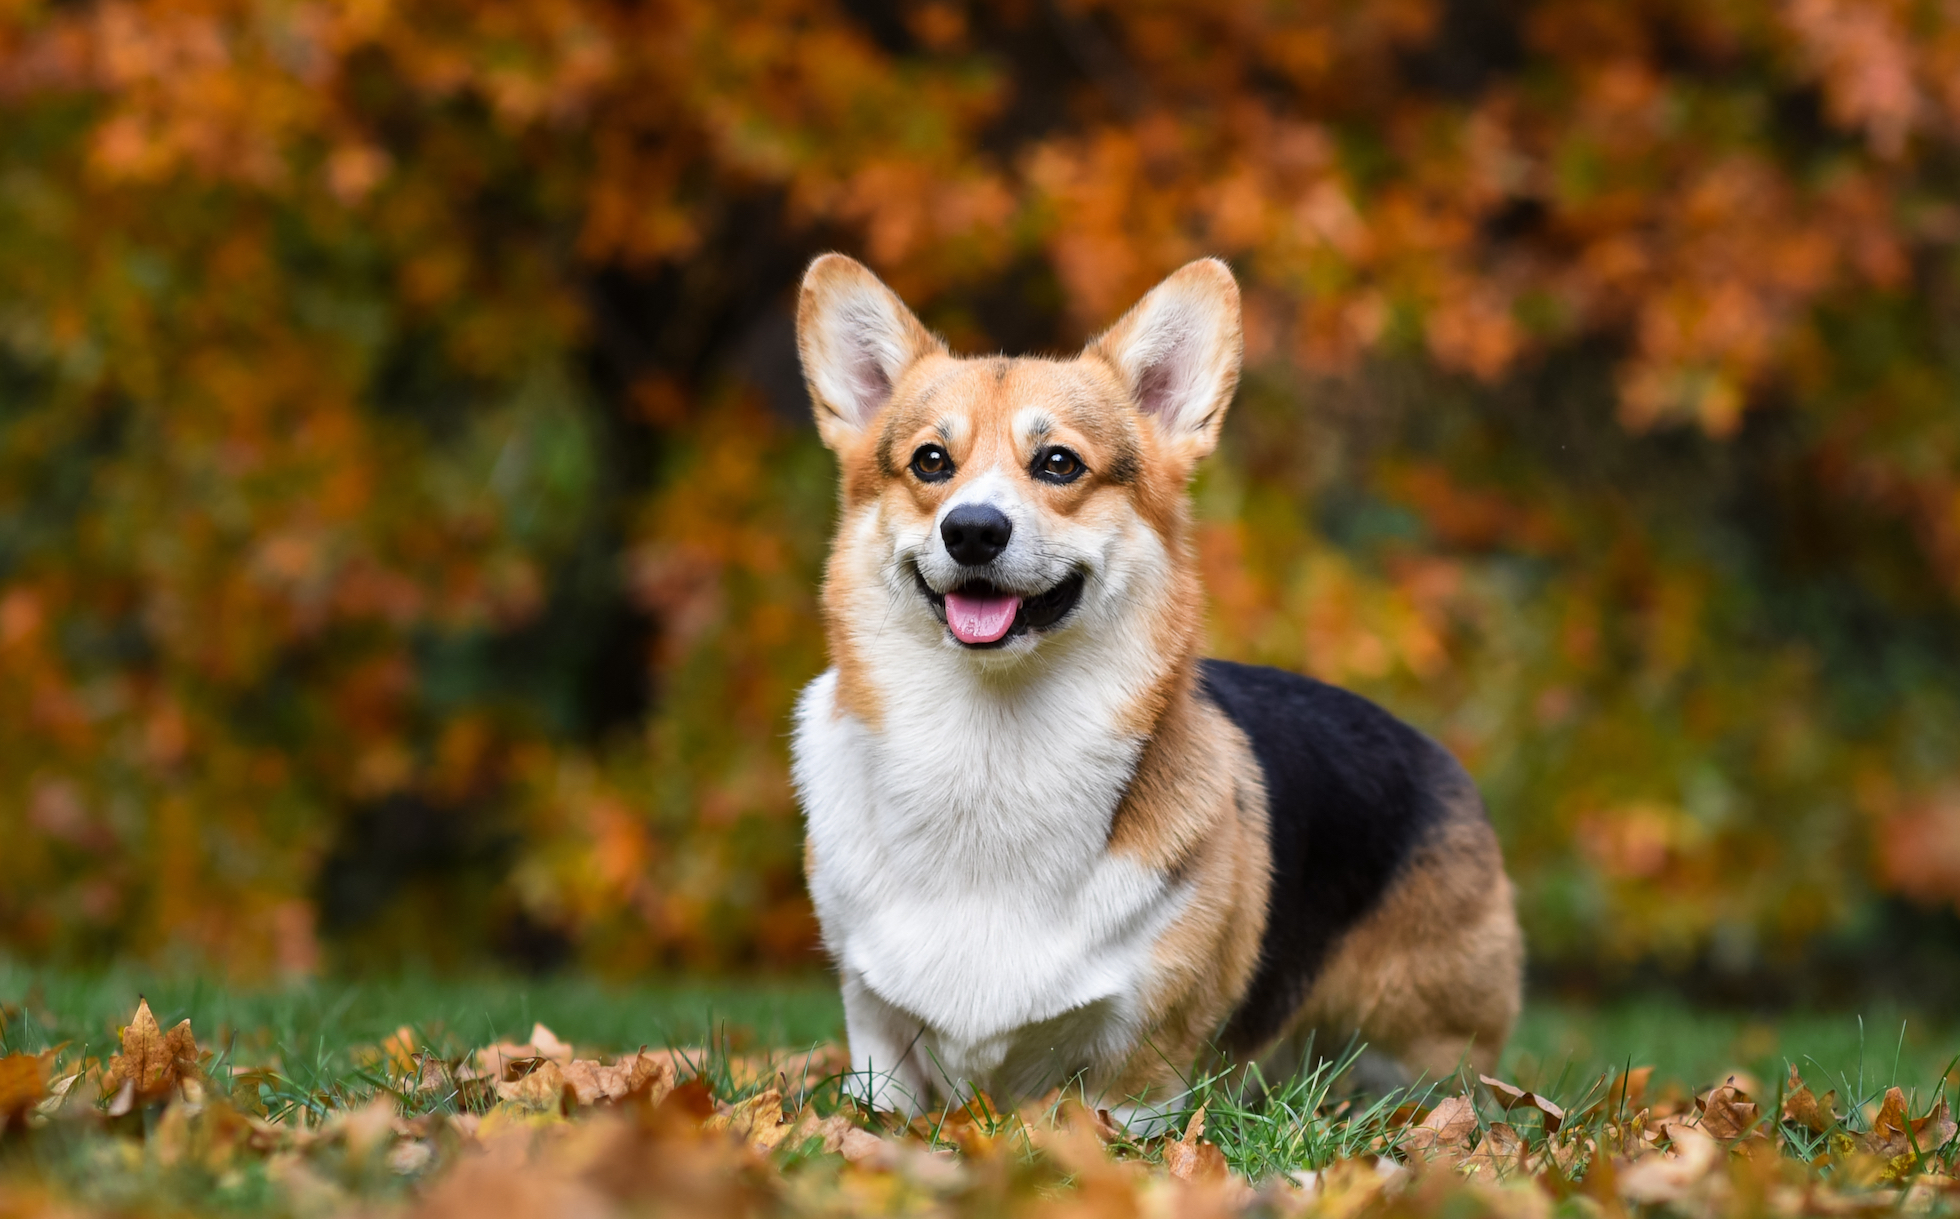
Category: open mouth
[983,616]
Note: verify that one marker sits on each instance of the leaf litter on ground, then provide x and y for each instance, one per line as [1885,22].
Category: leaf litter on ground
[423,1128]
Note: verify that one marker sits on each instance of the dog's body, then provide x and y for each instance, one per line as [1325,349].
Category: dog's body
[1045,840]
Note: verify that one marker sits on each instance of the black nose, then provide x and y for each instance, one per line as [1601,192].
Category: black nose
[975,533]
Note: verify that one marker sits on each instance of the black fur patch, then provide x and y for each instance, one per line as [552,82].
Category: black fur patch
[1351,791]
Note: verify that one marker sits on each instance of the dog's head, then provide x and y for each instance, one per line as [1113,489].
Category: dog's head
[992,504]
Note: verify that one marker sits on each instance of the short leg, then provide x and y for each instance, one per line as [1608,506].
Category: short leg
[888,1057]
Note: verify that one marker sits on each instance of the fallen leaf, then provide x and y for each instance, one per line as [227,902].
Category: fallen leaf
[830,1129]
[548,1046]
[409,1157]
[23,1085]
[1630,1089]
[1447,1130]
[1510,1097]
[643,1074]
[1191,1158]
[1801,1106]
[1727,1112]
[1499,1155]
[1106,1127]
[759,1120]
[506,1061]
[1936,1129]
[1890,1136]
[153,1064]
[541,1088]
[400,1049]
[859,1146]
[1669,1176]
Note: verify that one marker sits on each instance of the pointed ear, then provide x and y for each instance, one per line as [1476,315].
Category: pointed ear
[856,338]
[1178,352]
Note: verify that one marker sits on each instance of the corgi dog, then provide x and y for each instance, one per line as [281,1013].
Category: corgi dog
[1047,842]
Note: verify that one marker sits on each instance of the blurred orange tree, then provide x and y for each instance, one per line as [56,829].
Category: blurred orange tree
[408,526]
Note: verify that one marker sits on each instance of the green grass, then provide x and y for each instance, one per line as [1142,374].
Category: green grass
[301,1050]
[85,1009]
[1555,1045]
[1693,1047]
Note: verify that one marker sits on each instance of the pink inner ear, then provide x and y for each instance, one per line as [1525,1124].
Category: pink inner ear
[1164,381]
[870,386]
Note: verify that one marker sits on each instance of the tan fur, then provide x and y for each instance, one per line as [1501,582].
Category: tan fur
[1431,975]
[1196,809]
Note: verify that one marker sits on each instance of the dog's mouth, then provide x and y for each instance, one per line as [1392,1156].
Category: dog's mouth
[982,616]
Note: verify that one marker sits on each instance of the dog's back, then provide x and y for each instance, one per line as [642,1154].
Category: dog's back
[1380,850]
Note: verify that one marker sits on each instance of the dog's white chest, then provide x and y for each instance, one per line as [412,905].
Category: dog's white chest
[960,869]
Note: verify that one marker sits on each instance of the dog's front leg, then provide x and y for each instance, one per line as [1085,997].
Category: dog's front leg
[890,1067]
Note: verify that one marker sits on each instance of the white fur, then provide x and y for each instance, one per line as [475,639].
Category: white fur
[984,934]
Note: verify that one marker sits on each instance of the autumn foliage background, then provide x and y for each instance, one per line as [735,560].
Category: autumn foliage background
[410,523]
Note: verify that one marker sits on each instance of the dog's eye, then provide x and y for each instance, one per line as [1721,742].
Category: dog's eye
[1057,465]
[931,463]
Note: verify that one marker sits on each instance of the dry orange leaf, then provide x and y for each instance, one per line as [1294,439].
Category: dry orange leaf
[153,1064]
[1191,1158]
[507,1061]
[1499,1155]
[539,1089]
[1936,1129]
[1447,1130]
[1891,1132]
[23,1084]
[644,1074]
[1727,1112]
[1669,1176]
[759,1120]
[1803,1107]
[1510,1096]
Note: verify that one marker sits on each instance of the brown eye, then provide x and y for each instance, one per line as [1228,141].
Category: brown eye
[1057,465]
[931,463]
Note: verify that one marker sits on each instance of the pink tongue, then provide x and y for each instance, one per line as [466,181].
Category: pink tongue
[980,619]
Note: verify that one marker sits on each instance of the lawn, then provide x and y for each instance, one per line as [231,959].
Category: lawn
[310,1099]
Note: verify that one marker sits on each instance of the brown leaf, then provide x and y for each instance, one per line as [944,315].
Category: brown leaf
[1727,1112]
[1510,1096]
[507,1061]
[400,1049]
[859,1146]
[1191,1158]
[1890,1136]
[1447,1130]
[830,1129]
[1936,1129]
[1630,1089]
[1670,1175]
[432,1075]
[1500,1154]
[153,1064]
[1106,1127]
[539,1089]
[1571,1151]
[548,1045]
[758,1120]
[1801,1106]
[23,1084]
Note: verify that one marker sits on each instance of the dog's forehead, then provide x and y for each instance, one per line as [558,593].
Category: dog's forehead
[969,400]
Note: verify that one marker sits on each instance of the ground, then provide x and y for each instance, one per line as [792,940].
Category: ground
[505,1095]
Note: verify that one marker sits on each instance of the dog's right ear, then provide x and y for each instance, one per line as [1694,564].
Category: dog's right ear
[856,339]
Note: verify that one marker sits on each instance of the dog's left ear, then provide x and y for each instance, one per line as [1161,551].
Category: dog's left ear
[1178,352]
